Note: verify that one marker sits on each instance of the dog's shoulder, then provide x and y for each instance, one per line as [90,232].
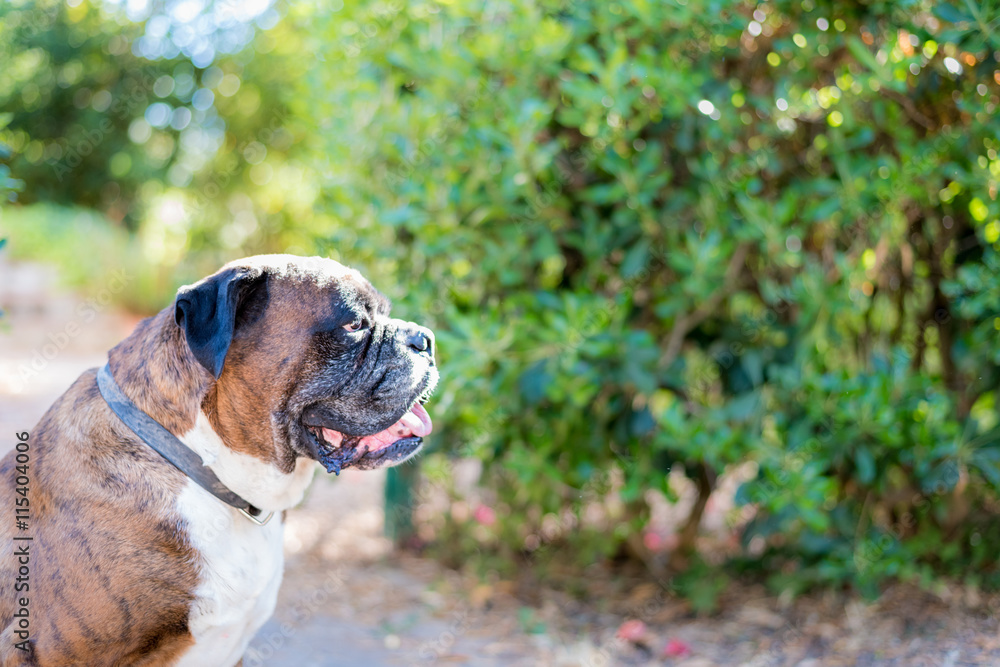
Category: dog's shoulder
[96,500]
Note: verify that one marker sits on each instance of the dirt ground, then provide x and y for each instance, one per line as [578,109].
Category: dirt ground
[349,600]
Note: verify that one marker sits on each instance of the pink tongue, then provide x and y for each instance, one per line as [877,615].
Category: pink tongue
[416,422]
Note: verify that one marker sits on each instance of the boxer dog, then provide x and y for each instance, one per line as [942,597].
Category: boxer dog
[130,556]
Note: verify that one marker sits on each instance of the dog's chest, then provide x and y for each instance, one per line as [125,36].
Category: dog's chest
[240,573]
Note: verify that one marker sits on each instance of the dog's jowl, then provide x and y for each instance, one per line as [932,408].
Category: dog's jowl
[157,483]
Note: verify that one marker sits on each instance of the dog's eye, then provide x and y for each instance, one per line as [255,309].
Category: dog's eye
[357,325]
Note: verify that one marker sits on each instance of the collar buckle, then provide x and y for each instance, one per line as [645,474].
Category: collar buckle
[256,519]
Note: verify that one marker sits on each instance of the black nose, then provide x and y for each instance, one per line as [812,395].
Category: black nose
[420,339]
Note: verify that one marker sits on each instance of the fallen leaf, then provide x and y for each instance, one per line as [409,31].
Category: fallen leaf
[676,648]
[633,630]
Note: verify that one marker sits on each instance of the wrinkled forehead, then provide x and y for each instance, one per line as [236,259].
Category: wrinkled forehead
[321,286]
[358,295]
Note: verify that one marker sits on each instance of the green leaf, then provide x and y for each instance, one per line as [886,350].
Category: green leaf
[535,381]
[865,463]
[860,51]
[987,460]
[636,259]
[950,13]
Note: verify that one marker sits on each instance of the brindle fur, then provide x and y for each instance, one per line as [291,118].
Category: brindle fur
[111,570]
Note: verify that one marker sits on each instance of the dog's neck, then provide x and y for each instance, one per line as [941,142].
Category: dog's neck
[156,370]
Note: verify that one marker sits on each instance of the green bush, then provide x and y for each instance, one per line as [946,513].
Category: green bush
[656,234]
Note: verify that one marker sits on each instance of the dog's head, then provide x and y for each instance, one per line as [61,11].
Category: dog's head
[308,362]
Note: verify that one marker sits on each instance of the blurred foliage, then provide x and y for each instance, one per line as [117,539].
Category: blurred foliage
[70,90]
[191,160]
[110,251]
[719,237]
[659,234]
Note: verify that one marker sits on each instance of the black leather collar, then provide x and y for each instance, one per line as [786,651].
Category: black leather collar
[154,434]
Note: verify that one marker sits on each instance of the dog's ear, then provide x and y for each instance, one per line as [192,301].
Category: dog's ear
[213,310]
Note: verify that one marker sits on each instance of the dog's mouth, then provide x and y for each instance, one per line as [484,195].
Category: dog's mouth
[388,447]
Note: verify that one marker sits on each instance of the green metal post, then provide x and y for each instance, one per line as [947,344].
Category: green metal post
[399,484]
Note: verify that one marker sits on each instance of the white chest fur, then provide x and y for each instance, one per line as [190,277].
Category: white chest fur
[240,571]
[240,563]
